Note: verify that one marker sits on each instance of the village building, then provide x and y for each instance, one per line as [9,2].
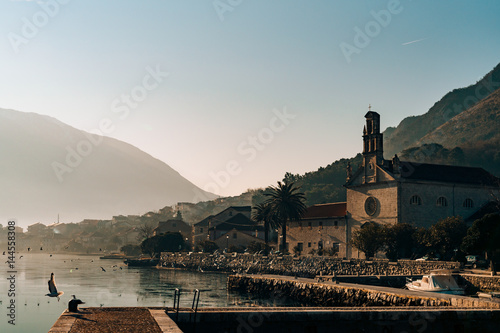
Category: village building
[206,228]
[323,227]
[394,191]
[175,226]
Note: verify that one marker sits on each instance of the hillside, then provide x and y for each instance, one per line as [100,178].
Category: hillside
[480,123]
[50,168]
[412,129]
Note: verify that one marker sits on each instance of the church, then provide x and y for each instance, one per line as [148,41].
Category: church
[394,191]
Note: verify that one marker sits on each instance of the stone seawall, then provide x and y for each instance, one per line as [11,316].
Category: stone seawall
[484,283]
[331,294]
[300,266]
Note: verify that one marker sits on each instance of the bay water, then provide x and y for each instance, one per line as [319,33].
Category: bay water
[101,282]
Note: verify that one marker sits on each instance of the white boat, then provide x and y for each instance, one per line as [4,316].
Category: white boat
[440,282]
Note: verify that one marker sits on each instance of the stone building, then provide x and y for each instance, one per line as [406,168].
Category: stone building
[394,191]
[322,227]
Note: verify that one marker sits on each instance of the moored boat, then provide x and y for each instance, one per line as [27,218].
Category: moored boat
[141,262]
[439,282]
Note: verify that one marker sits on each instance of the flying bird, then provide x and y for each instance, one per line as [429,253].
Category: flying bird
[53,289]
[73,304]
[103,269]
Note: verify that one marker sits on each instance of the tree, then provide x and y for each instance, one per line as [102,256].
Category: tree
[399,240]
[369,239]
[168,242]
[131,250]
[145,231]
[263,213]
[447,235]
[286,203]
[207,246]
[484,236]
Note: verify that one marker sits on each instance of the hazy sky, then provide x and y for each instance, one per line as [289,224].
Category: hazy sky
[254,88]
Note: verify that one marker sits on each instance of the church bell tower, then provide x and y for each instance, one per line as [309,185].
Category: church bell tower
[373,146]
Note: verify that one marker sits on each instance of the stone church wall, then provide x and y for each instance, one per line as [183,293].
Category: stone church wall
[429,212]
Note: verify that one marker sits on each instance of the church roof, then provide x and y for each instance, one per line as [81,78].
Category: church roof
[337,209]
[447,174]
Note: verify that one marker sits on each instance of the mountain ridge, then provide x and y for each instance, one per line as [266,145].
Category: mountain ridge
[110,177]
[411,129]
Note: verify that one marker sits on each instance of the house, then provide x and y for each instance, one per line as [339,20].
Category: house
[179,226]
[201,230]
[236,238]
[322,227]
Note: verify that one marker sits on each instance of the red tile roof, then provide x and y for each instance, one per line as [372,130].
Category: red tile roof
[337,209]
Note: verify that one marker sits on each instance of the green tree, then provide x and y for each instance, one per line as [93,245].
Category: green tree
[484,236]
[286,203]
[167,242]
[263,213]
[447,235]
[399,240]
[369,239]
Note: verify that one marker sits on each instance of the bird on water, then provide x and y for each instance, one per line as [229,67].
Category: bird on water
[53,289]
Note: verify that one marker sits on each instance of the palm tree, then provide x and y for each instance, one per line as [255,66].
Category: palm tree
[286,203]
[263,214]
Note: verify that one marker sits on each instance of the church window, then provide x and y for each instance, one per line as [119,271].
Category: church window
[468,203]
[442,202]
[415,200]
[371,206]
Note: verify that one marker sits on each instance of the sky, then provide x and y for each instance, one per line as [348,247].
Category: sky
[235,93]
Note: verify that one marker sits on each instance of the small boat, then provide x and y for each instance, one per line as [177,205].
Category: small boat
[141,262]
[439,282]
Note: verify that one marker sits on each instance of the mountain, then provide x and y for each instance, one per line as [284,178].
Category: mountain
[49,168]
[412,129]
[480,123]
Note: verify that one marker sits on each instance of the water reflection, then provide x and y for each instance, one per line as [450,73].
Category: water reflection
[118,285]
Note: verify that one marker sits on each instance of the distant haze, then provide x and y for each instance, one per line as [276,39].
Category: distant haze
[49,168]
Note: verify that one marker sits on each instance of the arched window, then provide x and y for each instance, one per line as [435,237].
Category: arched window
[442,202]
[415,200]
[468,203]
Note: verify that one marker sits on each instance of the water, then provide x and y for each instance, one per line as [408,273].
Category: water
[117,286]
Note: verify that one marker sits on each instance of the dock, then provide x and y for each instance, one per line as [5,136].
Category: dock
[132,319]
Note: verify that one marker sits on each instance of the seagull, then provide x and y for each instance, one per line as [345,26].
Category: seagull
[103,269]
[73,304]
[53,289]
